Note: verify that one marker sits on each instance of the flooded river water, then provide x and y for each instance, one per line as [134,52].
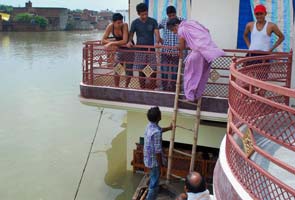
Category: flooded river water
[46,133]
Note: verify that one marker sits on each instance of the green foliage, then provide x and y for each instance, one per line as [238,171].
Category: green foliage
[42,21]
[70,26]
[23,17]
[29,18]
[5,8]
[78,11]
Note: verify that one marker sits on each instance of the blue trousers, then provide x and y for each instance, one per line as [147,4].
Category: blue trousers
[154,183]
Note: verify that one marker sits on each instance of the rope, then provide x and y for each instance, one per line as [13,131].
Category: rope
[88,156]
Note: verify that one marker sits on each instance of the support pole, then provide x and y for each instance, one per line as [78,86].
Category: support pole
[174,119]
[196,134]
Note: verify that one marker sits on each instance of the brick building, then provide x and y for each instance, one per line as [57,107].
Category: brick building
[57,17]
[105,17]
[1,26]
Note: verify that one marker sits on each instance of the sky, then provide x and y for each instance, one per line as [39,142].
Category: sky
[72,4]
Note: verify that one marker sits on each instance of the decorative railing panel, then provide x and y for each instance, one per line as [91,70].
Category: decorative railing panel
[153,68]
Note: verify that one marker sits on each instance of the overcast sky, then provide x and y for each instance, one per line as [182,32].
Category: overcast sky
[72,4]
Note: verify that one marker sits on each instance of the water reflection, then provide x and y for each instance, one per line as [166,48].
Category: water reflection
[117,177]
[5,42]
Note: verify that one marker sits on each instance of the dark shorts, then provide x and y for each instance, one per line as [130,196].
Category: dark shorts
[142,59]
[125,58]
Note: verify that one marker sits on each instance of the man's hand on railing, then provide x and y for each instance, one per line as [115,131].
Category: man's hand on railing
[110,46]
[158,45]
[180,54]
[129,44]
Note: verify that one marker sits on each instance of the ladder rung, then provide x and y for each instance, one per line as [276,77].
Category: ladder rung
[188,129]
[188,102]
[182,153]
[178,177]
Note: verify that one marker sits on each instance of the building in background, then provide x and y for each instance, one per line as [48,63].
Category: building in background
[57,17]
[82,20]
[125,14]
[104,18]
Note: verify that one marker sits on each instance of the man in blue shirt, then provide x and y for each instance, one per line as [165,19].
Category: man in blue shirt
[153,149]
[145,28]
[169,57]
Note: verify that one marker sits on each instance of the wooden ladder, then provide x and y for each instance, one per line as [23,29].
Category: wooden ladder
[174,120]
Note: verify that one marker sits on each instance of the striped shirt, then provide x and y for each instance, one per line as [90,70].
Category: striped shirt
[152,144]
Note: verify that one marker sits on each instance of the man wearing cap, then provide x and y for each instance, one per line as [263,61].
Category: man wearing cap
[261,31]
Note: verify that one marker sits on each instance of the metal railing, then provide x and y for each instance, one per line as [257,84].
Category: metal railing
[258,89]
[148,68]
[261,123]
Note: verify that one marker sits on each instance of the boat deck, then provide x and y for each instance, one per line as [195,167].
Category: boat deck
[166,192]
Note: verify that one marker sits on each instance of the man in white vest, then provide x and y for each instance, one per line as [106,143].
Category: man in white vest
[261,31]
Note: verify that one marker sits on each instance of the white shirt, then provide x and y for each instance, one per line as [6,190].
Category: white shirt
[260,40]
[199,196]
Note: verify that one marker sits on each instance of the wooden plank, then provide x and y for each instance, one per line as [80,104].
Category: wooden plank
[182,153]
[142,187]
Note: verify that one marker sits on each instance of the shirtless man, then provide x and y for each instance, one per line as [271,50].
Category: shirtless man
[261,32]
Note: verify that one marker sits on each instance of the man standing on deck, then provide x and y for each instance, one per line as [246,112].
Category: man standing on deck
[169,56]
[153,150]
[261,31]
[145,28]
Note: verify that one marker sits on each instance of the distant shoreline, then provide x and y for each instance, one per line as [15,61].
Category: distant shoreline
[47,31]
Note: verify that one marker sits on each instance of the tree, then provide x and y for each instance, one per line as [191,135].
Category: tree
[30,18]
[42,21]
[23,17]
[78,11]
[5,8]
[70,26]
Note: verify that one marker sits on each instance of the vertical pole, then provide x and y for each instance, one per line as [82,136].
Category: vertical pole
[83,63]
[289,75]
[196,133]
[289,69]
[91,64]
[174,118]
[129,13]
[87,68]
